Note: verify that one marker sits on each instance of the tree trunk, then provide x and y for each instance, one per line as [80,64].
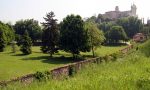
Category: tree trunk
[92,47]
[93,51]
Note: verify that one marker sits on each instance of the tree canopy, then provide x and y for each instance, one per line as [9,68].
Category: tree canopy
[115,34]
[96,36]
[31,25]
[73,37]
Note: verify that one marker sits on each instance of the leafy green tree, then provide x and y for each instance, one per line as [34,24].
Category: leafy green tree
[8,32]
[73,37]
[131,25]
[115,34]
[26,44]
[32,26]
[50,35]
[96,36]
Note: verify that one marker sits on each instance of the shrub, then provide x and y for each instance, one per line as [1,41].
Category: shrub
[42,75]
[26,44]
[72,70]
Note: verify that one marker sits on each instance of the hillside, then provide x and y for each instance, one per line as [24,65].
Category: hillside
[129,73]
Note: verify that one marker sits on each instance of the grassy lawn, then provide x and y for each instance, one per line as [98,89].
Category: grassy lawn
[14,65]
[129,73]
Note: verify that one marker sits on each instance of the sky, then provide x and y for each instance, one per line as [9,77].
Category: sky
[14,10]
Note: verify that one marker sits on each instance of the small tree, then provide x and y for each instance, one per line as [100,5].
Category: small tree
[26,44]
[73,37]
[116,33]
[96,37]
[50,35]
[2,41]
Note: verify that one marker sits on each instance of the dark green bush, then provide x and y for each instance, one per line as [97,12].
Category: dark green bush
[42,75]
[72,70]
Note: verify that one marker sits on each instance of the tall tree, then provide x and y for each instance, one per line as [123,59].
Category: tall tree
[50,36]
[96,36]
[116,33]
[26,44]
[73,37]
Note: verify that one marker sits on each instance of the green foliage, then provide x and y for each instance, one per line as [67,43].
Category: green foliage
[73,37]
[145,48]
[42,75]
[50,35]
[6,35]
[26,44]
[146,31]
[8,32]
[105,26]
[99,19]
[72,70]
[31,26]
[115,34]
[131,25]
[96,36]
[143,84]
[2,41]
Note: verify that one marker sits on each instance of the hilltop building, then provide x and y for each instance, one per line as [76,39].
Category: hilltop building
[119,14]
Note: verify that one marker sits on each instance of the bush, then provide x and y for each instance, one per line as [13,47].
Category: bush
[26,44]
[42,75]
[72,70]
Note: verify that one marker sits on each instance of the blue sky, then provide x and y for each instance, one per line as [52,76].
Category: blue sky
[13,10]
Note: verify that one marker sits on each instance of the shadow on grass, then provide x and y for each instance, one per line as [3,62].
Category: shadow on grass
[19,55]
[52,60]
[115,44]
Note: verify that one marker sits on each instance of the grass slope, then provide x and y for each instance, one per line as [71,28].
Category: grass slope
[129,73]
[14,65]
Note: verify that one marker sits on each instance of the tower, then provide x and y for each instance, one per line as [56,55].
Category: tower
[133,10]
[117,8]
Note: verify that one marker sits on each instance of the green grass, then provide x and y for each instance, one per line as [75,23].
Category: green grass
[14,65]
[129,73]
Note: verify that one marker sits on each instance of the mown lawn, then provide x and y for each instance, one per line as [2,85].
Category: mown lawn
[14,65]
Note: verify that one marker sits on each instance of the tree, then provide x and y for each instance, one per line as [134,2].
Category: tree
[73,37]
[131,25]
[8,32]
[31,25]
[6,35]
[2,41]
[96,36]
[50,35]
[26,44]
[115,34]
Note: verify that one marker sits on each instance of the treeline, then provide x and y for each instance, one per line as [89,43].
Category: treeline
[72,35]
[127,27]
